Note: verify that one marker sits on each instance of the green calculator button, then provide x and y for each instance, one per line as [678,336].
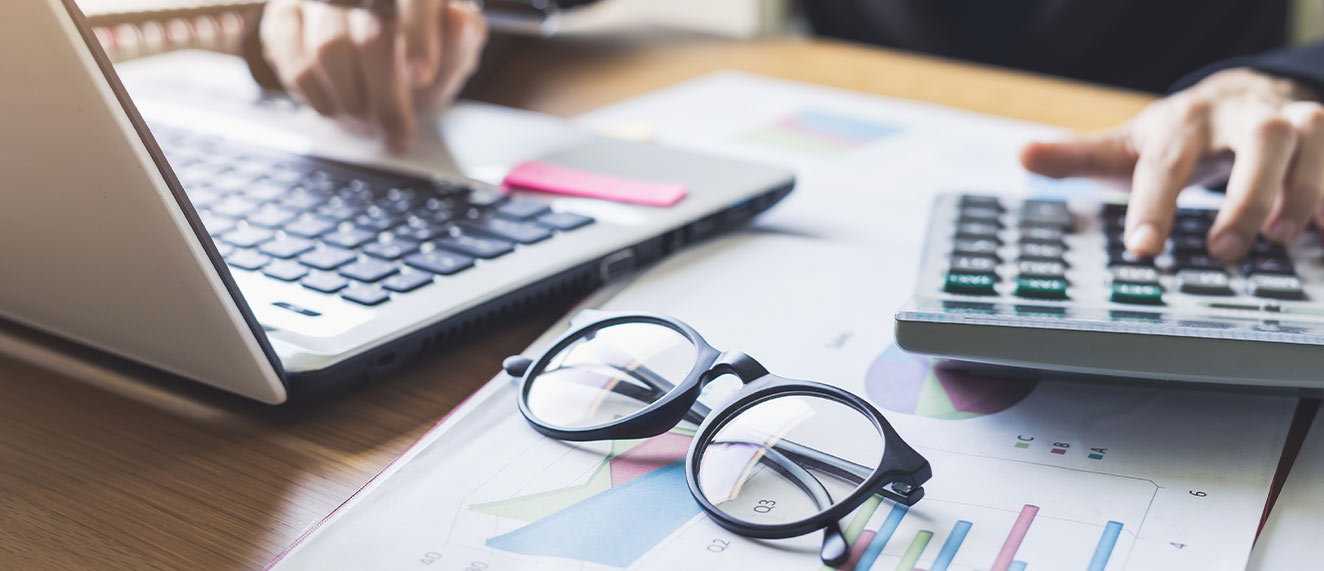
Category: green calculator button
[1137,294]
[969,284]
[1039,288]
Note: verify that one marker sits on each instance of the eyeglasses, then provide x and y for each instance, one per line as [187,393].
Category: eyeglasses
[780,458]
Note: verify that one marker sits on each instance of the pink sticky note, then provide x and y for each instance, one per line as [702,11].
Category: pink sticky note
[536,175]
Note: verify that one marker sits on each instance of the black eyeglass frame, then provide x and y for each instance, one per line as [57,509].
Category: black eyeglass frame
[899,476]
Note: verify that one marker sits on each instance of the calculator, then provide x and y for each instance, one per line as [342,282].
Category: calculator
[1048,285]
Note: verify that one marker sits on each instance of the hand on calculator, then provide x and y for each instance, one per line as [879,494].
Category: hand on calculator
[372,71]
[1275,128]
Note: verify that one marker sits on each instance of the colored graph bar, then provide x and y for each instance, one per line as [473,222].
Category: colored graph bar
[881,537]
[1014,539]
[1105,548]
[949,547]
[1016,566]
[913,552]
[857,550]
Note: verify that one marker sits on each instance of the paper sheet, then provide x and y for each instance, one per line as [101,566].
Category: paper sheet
[1027,475]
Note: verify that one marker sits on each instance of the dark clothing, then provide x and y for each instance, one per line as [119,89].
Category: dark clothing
[1149,45]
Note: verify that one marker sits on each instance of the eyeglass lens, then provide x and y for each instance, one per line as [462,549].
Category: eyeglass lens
[788,458]
[610,373]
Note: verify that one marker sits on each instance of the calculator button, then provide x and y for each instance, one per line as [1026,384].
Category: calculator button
[1036,251]
[1275,286]
[980,214]
[1046,213]
[1114,222]
[1041,269]
[1140,275]
[981,201]
[1126,258]
[1282,266]
[1114,208]
[1204,282]
[1137,294]
[1036,288]
[977,230]
[1190,244]
[974,265]
[969,284]
[1262,248]
[1190,227]
[1042,235]
[982,247]
[1198,262]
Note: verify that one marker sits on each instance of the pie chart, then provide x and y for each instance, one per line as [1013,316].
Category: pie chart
[910,384]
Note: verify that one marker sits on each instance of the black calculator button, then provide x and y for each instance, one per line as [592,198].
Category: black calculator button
[1114,209]
[1126,258]
[1042,235]
[1189,244]
[1036,251]
[1204,282]
[977,230]
[1140,275]
[1275,286]
[1114,222]
[980,247]
[1281,266]
[1190,227]
[1137,294]
[975,265]
[1035,288]
[1044,269]
[1262,248]
[981,201]
[1046,213]
[1197,262]
[980,214]
[969,284]
[1205,214]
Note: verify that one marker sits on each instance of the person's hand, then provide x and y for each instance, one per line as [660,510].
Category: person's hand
[1273,127]
[371,72]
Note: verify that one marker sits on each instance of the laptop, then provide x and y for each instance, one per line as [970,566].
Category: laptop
[238,242]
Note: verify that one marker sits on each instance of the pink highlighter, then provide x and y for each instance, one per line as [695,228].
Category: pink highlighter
[556,179]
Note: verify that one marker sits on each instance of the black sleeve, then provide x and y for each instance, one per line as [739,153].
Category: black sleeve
[1304,64]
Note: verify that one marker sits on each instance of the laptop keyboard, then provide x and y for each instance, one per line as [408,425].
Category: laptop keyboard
[361,233]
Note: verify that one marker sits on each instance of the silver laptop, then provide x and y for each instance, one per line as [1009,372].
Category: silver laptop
[231,239]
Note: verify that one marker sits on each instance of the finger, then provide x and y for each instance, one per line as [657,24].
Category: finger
[1169,145]
[421,24]
[465,35]
[1263,153]
[334,62]
[283,40]
[1304,189]
[389,97]
[1108,153]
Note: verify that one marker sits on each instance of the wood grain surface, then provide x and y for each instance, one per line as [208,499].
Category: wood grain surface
[129,475]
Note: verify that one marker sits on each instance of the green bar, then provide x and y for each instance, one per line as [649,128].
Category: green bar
[1039,288]
[913,552]
[1137,294]
[970,284]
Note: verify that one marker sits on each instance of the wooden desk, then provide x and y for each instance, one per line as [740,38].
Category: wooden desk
[119,476]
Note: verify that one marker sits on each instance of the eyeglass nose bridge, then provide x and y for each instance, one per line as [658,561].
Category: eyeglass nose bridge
[735,363]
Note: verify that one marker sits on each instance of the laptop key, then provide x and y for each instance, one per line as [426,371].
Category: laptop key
[420,230]
[407,280]
[270,216]
[516,209]
[216,225]
[233,207]
[324,282]
[368,270]
[475,246]
[285,270]
[365,294]
[521,232]
[563,221]
[350,238]
[287,247]
[393,250]
[440,262]
[327,258]
[309,227]
[247,260]
[247,237]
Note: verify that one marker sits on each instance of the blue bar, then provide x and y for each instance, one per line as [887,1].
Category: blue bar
[1105,548]
[950,546]
[1016,566]
[885,532]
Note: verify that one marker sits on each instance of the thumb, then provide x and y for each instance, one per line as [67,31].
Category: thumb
[1102,154]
